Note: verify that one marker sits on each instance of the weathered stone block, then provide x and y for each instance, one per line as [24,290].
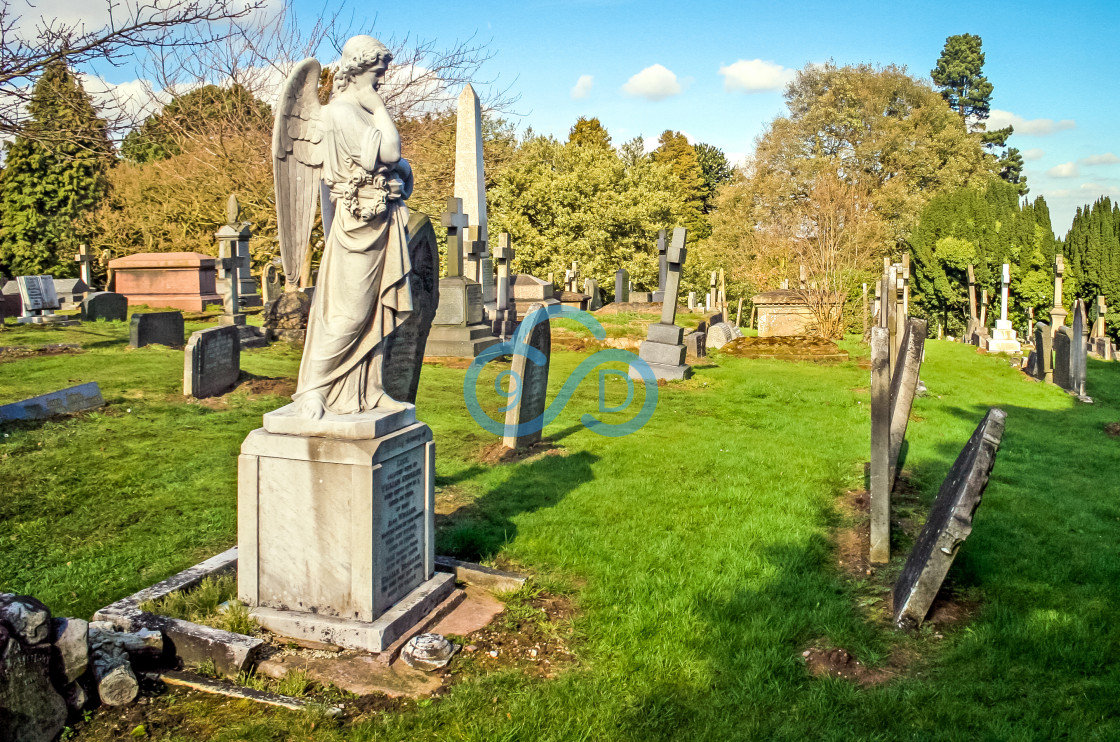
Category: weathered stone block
[157,328]
[105,305]
[212,362]
[75,399]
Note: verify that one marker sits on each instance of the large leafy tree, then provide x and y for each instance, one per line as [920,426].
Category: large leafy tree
[55,173]
[566,201]
[1093,251]
[589,132]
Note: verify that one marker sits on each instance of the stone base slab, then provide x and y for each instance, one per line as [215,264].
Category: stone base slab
[361,426]
[370,636]
[48,319]
[457,341]
[664,354]
[661,371]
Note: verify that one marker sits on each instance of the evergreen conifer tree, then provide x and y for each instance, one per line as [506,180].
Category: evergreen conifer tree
[55,171]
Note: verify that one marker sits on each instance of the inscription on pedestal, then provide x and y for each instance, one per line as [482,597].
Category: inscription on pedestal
[401,556]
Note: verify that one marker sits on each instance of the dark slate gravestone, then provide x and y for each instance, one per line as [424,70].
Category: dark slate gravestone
[531,378]
[162,328]
[949,523]
[1043,353]
[404,352]
[74,399]
[1063,358]
[105,305]
[212,362]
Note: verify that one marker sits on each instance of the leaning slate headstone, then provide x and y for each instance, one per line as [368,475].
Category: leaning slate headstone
[74,399]
[162,328]
[212,362]
[1063,358]
[949,523]
[523,426]
[404,352]
[105,305]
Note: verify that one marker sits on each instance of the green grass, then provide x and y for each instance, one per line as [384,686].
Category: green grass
[698,551]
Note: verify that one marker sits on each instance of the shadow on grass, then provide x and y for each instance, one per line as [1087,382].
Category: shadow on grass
[478,530]
[1041,557]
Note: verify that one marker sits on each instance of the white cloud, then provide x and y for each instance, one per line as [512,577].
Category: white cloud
[755,76]
[1031,127]
[1065,170]
[582,86]
[653,83]
[1033,154]
[1106,159]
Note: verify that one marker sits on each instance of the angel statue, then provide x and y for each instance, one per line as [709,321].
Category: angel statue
[347,154]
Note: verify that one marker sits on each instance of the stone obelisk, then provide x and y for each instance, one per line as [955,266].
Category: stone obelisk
[470,188]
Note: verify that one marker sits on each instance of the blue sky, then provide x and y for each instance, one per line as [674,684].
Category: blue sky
[1054,67]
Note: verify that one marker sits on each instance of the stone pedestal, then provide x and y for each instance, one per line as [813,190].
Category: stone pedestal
[1004,339]
[336,526]
[665,352]
[458,329]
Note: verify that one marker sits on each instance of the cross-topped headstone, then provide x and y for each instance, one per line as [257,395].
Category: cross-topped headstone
[86,259]
[455,221]
[1058,313]
[1100,311]
[473,247]
[503,253]
[228,267]
[674,261]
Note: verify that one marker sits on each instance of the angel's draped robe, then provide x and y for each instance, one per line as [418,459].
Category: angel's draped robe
[362,292]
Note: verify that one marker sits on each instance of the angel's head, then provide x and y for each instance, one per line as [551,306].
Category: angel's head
[361,54]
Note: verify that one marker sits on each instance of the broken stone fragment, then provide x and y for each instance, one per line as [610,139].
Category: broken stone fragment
[71,645]
[30,619]
[31,710]
[428,652]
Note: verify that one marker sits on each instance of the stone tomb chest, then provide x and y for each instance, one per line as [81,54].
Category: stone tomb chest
[180,280]
[783,313]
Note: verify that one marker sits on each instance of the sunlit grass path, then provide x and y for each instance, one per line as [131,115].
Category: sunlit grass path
[698,550]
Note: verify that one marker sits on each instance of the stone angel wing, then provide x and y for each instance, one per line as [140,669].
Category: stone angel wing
[297,160]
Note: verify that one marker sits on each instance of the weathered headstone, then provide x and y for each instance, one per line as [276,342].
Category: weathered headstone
[529,371]
[212,362]
[621,286]
[949,523]
[1080,350]
[972,294]
[157,328]
[70,292]
[105,305]
[1100,313]
[1043,353]
[696,342]
[74,399]
[719,335]
[404,352]
[236,235]
[529,290]
[880,552]
[271,282]
[38,299]
[904,386]
[591,289]
[1063,358]
[691,301]
[662,348]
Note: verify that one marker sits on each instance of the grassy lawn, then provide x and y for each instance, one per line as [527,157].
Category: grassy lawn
[699,551]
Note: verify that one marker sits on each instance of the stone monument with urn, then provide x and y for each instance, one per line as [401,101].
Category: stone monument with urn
[336,490]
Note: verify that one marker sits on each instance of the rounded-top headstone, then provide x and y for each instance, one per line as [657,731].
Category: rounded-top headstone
[719,335]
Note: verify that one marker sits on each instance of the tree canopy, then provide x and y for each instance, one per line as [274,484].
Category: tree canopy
[55,173]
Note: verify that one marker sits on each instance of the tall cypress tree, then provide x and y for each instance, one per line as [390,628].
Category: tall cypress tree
[55,171]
